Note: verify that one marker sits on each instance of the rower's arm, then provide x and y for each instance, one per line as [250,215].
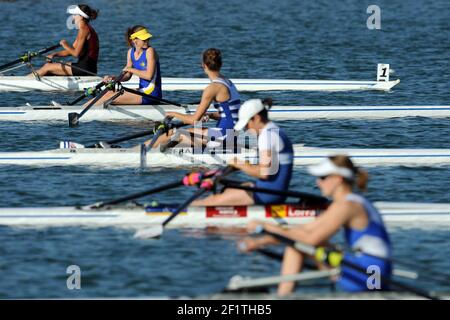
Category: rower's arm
[207,97]
[128,75]
[324,227]
[77,47]
[259,171]
[62,53]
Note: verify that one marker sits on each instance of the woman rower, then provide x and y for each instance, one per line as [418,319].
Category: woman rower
[142,61]
[222,92]
[362,223]
[276,155]
[86,47]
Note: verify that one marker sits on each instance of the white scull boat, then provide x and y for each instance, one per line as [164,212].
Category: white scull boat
[136,216]
[157,113]
[187,157]
[61,83]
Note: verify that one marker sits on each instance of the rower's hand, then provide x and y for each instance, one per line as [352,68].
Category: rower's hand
[64,44]
[248,244]
[128,69]
[107,79]
[50,57]
[171,115]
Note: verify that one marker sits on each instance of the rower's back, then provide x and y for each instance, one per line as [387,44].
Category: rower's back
[373,246]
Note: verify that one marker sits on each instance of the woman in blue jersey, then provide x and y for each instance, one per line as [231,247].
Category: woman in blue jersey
[274,168]
[225,97]
[362,224]
[142,61]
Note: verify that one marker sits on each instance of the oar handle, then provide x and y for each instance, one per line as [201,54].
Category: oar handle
[28,56]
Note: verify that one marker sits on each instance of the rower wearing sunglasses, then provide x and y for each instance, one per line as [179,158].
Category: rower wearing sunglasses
[364,229]
[276,158]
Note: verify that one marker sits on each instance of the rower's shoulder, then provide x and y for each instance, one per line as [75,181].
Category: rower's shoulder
[84,28]
[345,206]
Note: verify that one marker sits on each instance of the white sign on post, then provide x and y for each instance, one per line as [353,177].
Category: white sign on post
[383,72]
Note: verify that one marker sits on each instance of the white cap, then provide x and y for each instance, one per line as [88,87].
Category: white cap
[75,10]
[248,110]
[327,167]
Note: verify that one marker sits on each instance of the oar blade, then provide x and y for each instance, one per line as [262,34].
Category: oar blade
[153,232]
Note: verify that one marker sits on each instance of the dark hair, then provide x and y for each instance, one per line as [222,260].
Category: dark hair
[362,177]
[212,58]
[132,30]
[92,13]
[264,114]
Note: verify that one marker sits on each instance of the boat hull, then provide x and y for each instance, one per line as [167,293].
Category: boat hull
[200,217]
[186,157]
[59,83]
[157,113]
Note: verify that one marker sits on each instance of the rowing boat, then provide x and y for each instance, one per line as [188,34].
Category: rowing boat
[132,216]
[63,83]
[188,157]
[157,113]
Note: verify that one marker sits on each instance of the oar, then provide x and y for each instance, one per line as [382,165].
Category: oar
[184,106]
[126,138]
[336,258]
[311,198]
[74,117]
[157,231]
[135,195]
[28,56]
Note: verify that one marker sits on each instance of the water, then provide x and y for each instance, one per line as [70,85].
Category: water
[259,39]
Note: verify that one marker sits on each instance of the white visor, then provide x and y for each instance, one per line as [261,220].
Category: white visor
[248,110]
[327,167]
[75,10]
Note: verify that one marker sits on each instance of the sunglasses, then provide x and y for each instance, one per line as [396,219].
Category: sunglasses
[323,177]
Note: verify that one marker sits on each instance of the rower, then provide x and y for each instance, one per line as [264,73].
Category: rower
[222,92]
[86,47]
[362,223]
[276,155]
[142,61]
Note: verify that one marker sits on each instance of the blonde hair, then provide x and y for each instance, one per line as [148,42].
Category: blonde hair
[361,176]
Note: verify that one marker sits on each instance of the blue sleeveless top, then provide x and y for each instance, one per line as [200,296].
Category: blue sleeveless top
[375,247]
[229,109]
[274,139]
[152,87]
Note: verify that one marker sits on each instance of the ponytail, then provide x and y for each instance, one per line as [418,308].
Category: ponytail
[264,114]
[92,13]
[361,176]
